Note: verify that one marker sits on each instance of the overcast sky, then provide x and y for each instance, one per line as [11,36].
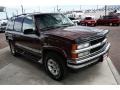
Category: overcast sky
[29,3]
[49,5]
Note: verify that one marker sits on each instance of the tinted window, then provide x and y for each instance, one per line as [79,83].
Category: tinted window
[71,18]
[113,17]
[10,24]
[18,24]
[28,23]
[105,17]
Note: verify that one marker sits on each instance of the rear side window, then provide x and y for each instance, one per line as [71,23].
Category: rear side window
[10,25]
[105,17]
[18,24]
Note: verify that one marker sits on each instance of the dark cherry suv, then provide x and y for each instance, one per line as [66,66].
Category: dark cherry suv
[53,40]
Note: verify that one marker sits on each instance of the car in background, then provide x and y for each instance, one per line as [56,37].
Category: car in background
[88,21]
[109,20]
[3,25]
[74,20]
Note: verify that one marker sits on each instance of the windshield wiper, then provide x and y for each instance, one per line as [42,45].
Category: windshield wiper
[67,24]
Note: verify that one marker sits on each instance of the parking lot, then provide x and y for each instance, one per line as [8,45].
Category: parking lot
[114,38]
[20,70]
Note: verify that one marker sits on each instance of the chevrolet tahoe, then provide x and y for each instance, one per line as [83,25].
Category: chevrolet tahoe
[54,41]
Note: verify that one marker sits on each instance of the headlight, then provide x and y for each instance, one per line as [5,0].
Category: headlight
[77,47]
[83,54]
[85,45]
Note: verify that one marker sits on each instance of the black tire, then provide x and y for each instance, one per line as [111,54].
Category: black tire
[117,24]
[13,50]
[59,73]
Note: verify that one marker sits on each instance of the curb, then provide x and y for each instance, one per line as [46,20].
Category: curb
[113,70]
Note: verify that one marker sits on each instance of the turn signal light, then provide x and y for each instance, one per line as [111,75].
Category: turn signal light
[74,46]
[74,55]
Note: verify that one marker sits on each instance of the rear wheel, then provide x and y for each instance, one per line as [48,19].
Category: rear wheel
[12,48]
[110,24]
[86,24]
[55,66]
[117,24]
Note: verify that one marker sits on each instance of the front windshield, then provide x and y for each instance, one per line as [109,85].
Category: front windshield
[52,20]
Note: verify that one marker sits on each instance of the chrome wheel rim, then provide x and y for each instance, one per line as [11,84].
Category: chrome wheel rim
[12,48]
[53,67]
[110,24]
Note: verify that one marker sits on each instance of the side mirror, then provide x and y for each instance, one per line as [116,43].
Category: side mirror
[29,31]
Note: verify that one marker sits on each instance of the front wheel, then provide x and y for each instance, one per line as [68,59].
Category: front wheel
[55,66]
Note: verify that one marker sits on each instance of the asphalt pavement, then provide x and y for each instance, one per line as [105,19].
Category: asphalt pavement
[22,71]
[19,70]
[114,39]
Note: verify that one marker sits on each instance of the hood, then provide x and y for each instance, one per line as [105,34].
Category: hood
[74,32]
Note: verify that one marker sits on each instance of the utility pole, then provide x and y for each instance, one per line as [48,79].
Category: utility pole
[54,9]
[97,7]
[6,13]
[13,14]
[22,9]
[17,12]
[105,10]
[80,7]
[57,8]
[39,9]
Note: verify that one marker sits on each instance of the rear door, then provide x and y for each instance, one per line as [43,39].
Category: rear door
[17,33]
[9,29]
[30,41]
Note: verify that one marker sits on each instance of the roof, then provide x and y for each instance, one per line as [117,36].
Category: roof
[25,14]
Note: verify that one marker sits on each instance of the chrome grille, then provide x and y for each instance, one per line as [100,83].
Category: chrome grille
[92,48]
[97,41]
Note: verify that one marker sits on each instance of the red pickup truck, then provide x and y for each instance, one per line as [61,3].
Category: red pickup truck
[109,20]
[88,21]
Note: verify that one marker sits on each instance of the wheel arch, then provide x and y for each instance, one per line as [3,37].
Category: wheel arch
[55,50]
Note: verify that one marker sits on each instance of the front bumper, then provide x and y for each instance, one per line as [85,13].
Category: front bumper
[85,62]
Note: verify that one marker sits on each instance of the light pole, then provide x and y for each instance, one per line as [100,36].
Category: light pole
[105,10]
[22,9]
[6,13]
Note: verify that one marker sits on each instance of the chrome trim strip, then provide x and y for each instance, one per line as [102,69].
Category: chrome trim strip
[82,65]
[91,47]
[31,49]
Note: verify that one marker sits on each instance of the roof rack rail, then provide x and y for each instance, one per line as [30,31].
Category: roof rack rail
[19,15]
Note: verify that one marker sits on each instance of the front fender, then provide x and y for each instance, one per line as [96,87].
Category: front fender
[55,49]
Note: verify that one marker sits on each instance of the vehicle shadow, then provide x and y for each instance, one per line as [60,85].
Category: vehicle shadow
[81,76]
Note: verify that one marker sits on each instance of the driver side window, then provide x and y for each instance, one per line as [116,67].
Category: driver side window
[28,23]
